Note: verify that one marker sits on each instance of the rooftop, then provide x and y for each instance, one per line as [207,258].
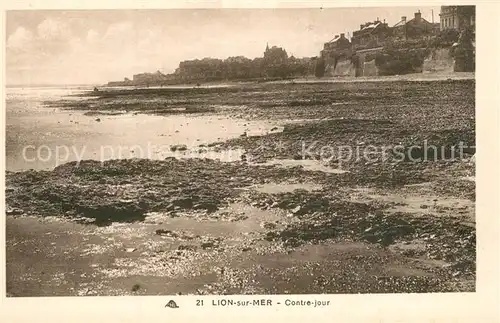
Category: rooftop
[401,23]
[371,25]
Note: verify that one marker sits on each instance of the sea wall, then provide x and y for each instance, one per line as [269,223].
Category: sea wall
[394,63]
[370,68]
[361,64]
[344,67]
[416,60]
[439,61]
[365,64]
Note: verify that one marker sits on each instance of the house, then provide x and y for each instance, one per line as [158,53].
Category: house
[417,27]
[457,17]
[338,46]
[371,34]
[339,42]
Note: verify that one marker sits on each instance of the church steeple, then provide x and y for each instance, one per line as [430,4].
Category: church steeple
[267,46]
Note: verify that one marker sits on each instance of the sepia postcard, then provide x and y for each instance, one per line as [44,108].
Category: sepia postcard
[257,162]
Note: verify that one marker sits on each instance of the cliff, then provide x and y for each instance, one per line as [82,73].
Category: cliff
[400,61]
[439,61]
[445,52]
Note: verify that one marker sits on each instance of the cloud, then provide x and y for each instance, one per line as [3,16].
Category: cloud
[21,38]
[53,30]
[32,54]
[119,31]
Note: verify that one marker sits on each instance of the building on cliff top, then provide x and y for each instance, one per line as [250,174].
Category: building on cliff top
[371,34]
[457,17]
[338,46]
[339,42]
[417,27]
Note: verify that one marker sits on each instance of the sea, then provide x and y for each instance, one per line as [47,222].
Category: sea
[40,137]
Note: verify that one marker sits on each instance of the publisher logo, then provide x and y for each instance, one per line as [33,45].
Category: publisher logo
[172,304]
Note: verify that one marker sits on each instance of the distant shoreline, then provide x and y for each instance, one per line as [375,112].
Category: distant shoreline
[48,86]
[330,79]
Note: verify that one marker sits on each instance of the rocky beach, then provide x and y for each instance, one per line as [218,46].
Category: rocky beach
[251,188]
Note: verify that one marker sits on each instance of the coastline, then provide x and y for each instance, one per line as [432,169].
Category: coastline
[417,77]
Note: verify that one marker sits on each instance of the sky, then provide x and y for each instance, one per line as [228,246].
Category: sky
[97,46]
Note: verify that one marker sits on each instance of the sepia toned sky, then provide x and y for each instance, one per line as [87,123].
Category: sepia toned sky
[96,46]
